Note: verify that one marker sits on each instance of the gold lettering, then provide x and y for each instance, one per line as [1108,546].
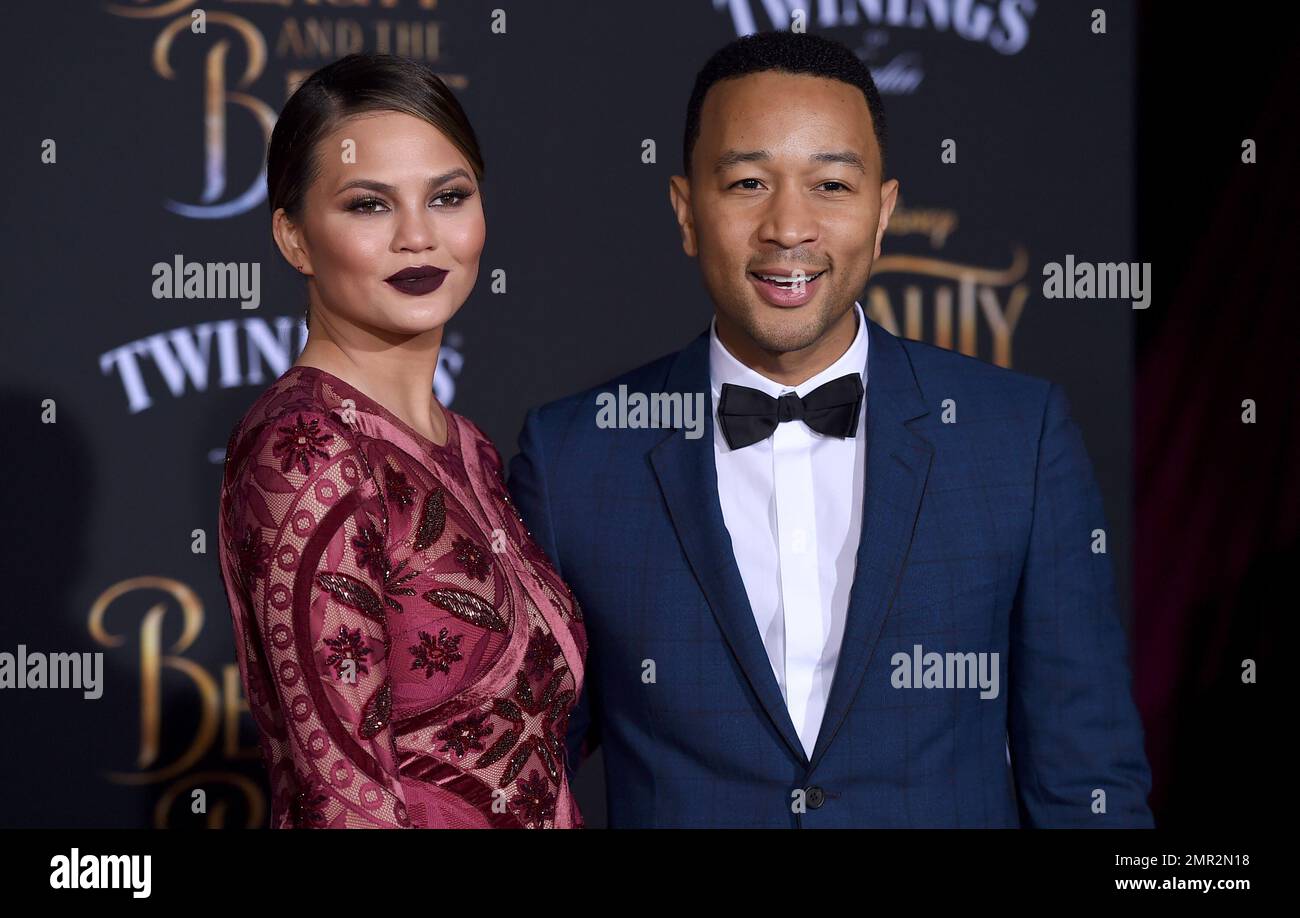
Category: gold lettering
[974,287]
[152,661]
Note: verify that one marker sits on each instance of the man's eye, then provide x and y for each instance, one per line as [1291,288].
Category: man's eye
[744,182]
[839,186]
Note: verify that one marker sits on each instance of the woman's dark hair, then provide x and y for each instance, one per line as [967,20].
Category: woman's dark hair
[354,85]
[785,52]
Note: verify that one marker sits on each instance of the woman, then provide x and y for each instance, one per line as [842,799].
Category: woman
[409,654]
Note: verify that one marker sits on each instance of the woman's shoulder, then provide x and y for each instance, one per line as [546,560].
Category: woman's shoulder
[297,389]
[296,419]
[474,437]
[467,426]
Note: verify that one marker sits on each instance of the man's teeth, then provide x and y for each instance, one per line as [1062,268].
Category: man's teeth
[786,280]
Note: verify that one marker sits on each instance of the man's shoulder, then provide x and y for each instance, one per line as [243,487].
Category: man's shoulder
[985,390]
[563,413]
[981,387]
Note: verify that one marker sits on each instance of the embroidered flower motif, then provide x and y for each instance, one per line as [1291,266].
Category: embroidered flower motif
[301,441]
[536,727]
[253,555]
[435,654]
[541,653]
[472,558]
[395,585]
[534,804]
[400,491]
[349,645]
[309,798]
[371,556]
[463,735]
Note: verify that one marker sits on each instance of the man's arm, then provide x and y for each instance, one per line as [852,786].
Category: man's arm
[1074,729]
[528,489]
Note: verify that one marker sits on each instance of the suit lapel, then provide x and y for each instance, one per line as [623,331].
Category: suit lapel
[897,466]
[687,476]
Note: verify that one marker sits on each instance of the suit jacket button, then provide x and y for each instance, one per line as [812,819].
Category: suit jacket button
[815,796]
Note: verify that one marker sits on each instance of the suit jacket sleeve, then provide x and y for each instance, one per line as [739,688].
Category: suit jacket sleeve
[529,489]
[1073,728]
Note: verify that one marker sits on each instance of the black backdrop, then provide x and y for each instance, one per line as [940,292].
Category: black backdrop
[102,506]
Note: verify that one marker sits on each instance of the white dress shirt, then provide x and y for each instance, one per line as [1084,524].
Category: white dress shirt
[793,506]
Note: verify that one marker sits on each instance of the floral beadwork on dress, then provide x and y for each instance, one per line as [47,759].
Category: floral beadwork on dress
[408,652]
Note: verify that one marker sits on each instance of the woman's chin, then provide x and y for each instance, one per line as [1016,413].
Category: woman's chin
[416,319]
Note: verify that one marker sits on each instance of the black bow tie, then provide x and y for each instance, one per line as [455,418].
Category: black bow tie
[748,415]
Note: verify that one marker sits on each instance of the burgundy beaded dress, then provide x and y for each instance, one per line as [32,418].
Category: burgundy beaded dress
[409,654]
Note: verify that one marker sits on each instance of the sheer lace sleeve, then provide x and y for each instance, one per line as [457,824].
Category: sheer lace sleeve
[304,558]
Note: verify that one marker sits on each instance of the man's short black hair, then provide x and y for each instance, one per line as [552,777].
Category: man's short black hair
[785,52]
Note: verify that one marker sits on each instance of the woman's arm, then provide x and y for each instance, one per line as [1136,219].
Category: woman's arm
[306,557]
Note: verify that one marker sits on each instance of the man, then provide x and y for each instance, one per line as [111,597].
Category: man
[867,595]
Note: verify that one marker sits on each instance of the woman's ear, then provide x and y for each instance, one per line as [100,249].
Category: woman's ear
[288,238]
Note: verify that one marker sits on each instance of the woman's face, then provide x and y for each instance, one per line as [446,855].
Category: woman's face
[392,193]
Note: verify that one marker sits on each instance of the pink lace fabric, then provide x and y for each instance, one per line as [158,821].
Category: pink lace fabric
[409,654]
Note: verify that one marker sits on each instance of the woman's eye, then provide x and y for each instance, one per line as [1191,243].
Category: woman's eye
[365,205]
[372,205]
[452,197]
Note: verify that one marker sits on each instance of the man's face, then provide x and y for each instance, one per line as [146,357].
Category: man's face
[785,178]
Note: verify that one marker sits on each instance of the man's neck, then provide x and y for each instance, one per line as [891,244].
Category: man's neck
[790,368]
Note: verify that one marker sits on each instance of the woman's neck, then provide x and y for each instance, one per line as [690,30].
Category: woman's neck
[398,377]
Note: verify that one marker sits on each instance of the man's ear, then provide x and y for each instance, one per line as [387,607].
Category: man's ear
[679,195]
[288,238]
[888,198]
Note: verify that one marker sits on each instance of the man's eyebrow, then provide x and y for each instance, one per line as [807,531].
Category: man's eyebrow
[735,157]
[847,157]
[387,189]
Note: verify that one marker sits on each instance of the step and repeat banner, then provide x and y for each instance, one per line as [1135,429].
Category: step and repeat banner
[136,139]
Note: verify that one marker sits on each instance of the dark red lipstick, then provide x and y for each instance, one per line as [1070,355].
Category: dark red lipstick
[417,281]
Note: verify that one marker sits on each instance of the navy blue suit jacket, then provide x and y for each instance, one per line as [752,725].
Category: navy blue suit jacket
[977,537]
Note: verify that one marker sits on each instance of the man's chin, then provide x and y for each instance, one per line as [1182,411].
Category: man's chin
[780,330]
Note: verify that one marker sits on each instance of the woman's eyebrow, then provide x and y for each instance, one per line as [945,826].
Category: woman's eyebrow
[385,188]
